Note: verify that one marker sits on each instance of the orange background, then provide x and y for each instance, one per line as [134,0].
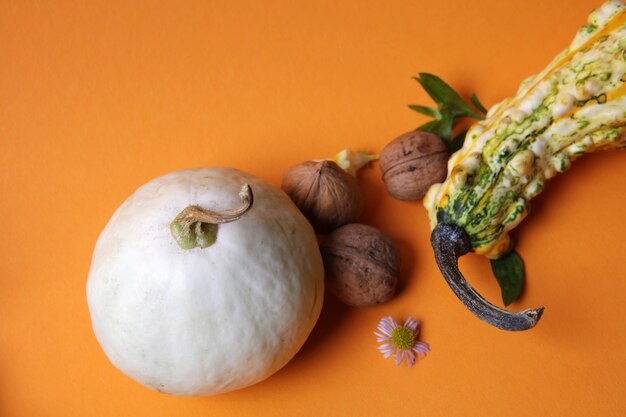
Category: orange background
[97,98]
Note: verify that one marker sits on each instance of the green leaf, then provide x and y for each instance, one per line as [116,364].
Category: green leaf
[448,100]
[457,142]
[438,90]
[509,272]
[441,128]
[452,111]
[450,107]
[478,104]
[428,111]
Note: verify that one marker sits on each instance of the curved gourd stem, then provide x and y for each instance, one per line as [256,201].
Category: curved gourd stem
[451,242]
[195,227]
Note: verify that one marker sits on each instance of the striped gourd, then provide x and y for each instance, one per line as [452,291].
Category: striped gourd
[574,106]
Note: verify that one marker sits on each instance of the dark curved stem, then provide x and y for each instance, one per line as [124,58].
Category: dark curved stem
[451,242]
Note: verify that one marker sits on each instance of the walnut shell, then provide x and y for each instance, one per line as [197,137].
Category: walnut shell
[413,162]
[361,265]
[327,195]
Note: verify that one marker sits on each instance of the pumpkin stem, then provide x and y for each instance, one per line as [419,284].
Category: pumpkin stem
[197,227]
[451,242]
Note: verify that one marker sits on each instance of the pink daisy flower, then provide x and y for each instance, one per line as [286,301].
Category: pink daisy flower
[401,341]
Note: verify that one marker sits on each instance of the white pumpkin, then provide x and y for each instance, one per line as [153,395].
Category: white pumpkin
[204,321]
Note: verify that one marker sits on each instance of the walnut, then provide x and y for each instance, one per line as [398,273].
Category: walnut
[413,162]
[361,264]
[327,195]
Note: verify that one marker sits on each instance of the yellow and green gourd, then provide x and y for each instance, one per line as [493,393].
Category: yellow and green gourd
[576,105]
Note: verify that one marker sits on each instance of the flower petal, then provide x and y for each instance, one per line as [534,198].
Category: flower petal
[421,349]
[384,327]
[383,336]
[412,324]
[398,357]
[387,325]
[410,361]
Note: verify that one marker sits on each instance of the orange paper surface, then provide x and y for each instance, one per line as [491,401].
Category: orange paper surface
[98,97]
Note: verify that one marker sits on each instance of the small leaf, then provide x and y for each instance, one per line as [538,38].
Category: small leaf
[438,89]
[457,142]
[441,128]
[428,111]
[478,104]
[509,272]
[448,100]
[450,108]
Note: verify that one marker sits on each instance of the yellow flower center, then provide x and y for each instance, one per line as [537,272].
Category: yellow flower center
[402,338]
